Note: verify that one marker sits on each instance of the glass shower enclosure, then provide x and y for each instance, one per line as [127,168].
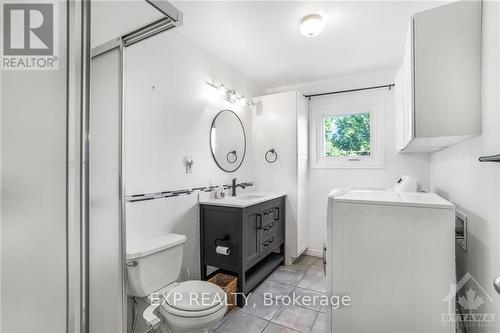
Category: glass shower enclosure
[106,276]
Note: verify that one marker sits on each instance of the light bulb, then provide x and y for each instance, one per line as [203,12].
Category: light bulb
[231,96]
[221,89]
[242,101]
[311,25]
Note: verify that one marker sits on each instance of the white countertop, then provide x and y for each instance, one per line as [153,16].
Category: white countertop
[243,200]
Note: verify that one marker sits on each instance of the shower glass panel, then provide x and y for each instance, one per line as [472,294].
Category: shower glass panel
[106,289]
[115,26]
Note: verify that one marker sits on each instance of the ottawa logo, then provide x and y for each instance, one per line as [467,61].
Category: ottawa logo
[472,300]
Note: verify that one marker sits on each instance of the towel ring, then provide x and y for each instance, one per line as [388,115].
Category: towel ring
[271,156]
[232,157]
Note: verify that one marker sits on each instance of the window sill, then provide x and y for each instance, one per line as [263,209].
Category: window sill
[348,165]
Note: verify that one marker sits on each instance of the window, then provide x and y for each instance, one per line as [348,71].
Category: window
[347,135]
[348,131]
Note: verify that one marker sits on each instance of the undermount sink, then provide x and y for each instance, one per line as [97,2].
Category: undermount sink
[242,200]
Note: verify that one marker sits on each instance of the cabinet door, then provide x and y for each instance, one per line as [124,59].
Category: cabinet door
[404,107]
[408,89]
[252,223]
[447,62]
[221,223]
[404,96]
[399,109]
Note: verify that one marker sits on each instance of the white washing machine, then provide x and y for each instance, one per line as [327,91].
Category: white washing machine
[393,254]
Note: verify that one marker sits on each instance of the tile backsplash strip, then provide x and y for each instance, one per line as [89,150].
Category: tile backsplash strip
[175,193]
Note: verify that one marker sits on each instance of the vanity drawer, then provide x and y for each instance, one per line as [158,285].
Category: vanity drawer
[268,229]
[267,244]
[271,214]
[272,221]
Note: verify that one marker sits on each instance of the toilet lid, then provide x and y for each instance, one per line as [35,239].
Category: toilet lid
[195,296]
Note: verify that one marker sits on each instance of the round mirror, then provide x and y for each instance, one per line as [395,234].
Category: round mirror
[228,141]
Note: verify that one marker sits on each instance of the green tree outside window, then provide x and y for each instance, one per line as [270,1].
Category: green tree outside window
[347,135]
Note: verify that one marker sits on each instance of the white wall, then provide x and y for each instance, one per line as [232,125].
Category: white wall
[322,181]
[168,122]
[474,187]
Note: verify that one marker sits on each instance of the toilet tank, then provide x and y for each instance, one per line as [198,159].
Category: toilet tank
[153,264]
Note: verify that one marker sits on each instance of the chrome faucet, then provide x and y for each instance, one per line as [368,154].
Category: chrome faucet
[234,186]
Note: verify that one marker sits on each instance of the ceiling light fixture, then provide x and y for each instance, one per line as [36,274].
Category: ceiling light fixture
[311,25]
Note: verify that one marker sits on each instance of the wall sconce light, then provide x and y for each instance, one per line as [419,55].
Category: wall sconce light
[242,100]
[221,89]
[230,94]
[232,97]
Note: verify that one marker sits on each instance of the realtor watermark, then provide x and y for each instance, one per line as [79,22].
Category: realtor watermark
[335,302]
[472,301]
[29,33]
[204,299]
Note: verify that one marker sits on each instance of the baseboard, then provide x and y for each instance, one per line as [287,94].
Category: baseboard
[314,253]
[301,251]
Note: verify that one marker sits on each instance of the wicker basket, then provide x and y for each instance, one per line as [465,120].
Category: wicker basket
[228,283]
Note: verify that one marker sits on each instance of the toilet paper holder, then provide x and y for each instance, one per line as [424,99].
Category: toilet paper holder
[222,246]
[224,241]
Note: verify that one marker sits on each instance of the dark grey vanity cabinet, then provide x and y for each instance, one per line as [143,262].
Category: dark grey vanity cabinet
[254,235]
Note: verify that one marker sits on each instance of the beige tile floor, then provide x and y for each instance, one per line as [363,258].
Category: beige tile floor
[304,278]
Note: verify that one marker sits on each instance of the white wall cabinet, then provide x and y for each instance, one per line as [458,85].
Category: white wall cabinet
[280,122]
[438,87]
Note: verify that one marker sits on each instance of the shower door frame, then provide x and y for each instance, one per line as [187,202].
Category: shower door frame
[172,18]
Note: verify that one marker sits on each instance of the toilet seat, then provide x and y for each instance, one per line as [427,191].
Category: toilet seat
[199,299]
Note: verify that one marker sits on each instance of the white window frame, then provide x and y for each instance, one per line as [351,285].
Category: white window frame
[348,104]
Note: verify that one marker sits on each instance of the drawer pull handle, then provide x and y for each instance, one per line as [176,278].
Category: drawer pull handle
[277,213]
[259,221]
[268,211]
[268,242]
[269,227]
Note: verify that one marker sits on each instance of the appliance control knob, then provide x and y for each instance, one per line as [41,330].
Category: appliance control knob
[496,284]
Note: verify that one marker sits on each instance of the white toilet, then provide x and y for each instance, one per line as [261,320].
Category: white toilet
[153,268]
